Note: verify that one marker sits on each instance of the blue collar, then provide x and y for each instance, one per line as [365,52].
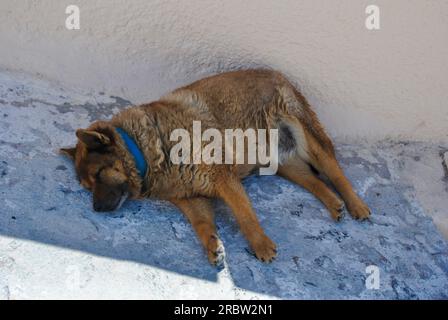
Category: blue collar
[133,148]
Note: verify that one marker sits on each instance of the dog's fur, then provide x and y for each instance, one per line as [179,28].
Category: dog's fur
[259,99]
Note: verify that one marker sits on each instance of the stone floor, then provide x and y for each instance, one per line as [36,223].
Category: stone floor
[52,245]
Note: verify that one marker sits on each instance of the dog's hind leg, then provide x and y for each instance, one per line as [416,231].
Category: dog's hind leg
[301,131]
[324,160]
[298,171]
[199,212]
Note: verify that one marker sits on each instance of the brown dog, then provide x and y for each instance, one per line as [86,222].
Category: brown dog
[258,99]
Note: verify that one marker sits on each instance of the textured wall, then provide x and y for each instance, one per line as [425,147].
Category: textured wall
[391,82]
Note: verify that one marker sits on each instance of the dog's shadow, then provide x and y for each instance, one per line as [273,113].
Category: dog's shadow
[318,258]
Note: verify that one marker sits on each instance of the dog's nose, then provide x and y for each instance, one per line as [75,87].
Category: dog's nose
[99,207]
[96,206]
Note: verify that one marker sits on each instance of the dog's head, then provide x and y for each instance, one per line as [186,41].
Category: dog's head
[101,168]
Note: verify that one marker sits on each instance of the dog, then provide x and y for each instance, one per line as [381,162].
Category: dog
[128,156]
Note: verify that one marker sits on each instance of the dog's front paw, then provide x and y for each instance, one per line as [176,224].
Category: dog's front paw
[264,248]
[215,251]
[337,210]
[359,210]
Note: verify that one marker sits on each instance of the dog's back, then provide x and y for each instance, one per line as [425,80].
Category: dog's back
[261,99]
[239,99]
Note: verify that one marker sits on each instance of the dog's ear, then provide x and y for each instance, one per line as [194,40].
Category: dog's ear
[71,152]
[93,139]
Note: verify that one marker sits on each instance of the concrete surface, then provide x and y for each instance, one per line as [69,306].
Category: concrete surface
[52,244]
[383,83]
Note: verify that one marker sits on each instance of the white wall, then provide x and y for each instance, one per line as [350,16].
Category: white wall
[374,84]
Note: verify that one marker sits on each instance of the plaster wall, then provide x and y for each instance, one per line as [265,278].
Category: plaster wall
[376,84]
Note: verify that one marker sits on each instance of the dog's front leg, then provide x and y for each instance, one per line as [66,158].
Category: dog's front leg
[199,212]
[232,192]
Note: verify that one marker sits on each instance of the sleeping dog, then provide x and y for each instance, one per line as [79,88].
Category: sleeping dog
[130,156]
